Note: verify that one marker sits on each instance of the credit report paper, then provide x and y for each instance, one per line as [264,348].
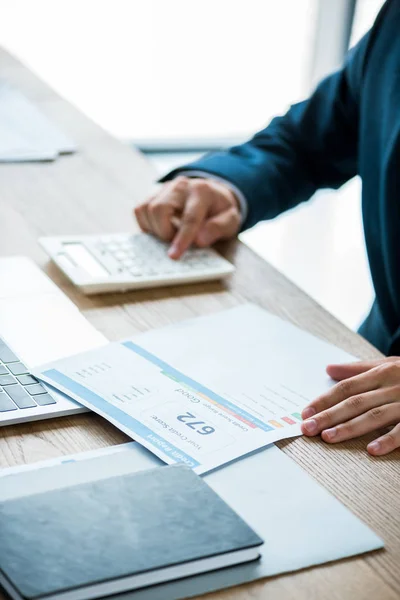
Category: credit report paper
[204,391]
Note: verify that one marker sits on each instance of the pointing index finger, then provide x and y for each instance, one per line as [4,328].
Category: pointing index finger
[193,216]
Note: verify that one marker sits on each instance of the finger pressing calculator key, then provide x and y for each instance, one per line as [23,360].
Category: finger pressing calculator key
[120,262]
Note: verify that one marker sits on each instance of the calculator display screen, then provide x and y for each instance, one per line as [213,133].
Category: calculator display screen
[81,256]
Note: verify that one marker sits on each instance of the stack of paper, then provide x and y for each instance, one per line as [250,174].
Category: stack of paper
[25,133]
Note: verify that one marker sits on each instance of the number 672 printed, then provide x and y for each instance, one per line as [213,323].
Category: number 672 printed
[190,420]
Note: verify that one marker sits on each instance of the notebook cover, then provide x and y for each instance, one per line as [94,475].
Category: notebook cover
[112,528]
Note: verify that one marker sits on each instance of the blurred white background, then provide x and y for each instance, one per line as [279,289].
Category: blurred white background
[167,68]
[178,69]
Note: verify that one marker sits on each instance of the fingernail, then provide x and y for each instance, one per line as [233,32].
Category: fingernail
[308,412]
[310,426]
[374,446]
[330,433]
[172,251]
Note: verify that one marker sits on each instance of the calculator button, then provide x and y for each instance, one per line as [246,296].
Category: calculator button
[128,263]
[125,246]
[112,247]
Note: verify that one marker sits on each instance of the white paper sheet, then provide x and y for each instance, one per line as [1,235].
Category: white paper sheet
[301,523]
[26,134]
[206,391]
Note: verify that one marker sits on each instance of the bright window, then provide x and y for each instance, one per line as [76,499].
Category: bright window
[168,68]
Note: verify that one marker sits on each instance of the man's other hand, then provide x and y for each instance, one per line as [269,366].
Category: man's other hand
[366,399]
[190,211]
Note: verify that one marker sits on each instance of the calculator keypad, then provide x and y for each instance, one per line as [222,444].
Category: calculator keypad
[142,257]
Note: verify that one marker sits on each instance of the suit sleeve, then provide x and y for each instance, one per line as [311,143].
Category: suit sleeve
[314,145]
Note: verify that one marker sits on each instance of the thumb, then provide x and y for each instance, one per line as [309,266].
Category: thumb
[222,226]
[339,372]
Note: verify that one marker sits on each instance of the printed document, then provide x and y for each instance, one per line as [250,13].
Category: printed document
[205,391]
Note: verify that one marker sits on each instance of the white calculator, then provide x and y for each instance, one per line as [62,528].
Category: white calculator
[120,262]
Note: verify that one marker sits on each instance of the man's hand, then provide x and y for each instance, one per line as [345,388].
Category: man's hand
[367,398]
[190,211]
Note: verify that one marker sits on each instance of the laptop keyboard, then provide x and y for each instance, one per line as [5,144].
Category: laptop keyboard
[19,390]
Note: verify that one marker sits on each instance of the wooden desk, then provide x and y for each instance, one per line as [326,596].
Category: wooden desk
[94,191]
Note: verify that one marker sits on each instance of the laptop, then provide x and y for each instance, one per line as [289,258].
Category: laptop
[38,323]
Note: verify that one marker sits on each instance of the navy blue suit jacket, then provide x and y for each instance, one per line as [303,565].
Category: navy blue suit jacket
[350,125]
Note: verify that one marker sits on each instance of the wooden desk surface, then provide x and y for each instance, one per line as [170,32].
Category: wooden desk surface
[94,191]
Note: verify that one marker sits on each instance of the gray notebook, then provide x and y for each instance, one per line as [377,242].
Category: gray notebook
[121,533]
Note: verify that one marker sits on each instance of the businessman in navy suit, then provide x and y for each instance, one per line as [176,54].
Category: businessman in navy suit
[349,126]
